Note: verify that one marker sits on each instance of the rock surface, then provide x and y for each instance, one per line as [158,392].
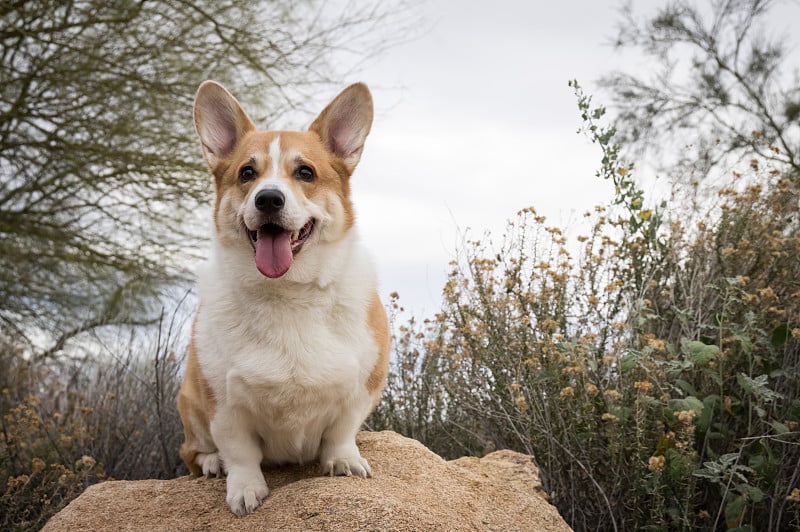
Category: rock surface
[412,489]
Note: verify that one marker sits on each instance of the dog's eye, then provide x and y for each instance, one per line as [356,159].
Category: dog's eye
[248,173]
[305,173]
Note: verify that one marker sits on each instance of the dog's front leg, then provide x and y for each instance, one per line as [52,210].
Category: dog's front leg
[339,454]
[240,449]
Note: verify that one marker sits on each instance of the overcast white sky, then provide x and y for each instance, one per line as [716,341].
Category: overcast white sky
[474,122]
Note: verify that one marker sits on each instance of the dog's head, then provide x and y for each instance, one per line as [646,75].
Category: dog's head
[280,194]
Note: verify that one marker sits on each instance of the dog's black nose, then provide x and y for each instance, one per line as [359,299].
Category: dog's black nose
[270,200]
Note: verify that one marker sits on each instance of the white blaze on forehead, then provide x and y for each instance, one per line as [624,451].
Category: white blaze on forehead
[272,176]
[275,155]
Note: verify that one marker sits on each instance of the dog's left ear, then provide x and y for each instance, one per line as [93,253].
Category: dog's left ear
[345,123]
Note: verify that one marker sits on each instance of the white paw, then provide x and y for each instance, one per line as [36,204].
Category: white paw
[210,463]
[246,491]
[347,466]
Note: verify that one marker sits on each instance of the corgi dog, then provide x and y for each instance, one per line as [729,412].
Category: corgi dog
[290,344]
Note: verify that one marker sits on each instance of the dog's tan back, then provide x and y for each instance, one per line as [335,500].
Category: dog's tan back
[290,344]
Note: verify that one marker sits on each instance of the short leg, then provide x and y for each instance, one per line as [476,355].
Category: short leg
[195,406]
[339,454]
[241,452]
[198,450]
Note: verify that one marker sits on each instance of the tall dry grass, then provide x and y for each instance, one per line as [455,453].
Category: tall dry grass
[107,411]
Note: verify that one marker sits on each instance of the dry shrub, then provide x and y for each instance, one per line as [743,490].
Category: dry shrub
[69,423]
[654,375]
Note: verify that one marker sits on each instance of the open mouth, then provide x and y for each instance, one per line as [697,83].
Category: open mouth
[275,247]
[297,238]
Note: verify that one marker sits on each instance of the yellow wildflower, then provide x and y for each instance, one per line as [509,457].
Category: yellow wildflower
[37,465]
[611,418]
[613,395]
[657,345]
[85,462]
[522,404]
[656,463]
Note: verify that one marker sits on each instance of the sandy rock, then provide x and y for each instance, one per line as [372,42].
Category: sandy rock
[516,470]
[412,489]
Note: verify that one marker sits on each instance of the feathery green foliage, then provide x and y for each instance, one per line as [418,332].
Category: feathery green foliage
[721,89]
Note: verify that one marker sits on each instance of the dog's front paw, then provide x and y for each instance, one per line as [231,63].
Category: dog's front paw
[347,466]
[246,491]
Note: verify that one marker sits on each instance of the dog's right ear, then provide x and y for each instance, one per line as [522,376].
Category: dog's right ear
[220,121]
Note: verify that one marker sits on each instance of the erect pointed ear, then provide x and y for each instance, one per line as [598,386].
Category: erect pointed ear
[345,123]
[220,121]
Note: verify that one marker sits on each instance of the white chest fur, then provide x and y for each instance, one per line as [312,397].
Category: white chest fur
[287,358]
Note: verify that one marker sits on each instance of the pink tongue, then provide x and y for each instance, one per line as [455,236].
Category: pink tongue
[273,253]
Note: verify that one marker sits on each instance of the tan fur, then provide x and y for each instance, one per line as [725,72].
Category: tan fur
[195,402]
[379,325]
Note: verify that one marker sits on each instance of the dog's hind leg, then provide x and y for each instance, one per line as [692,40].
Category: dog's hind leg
[196,405]
[198,450]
